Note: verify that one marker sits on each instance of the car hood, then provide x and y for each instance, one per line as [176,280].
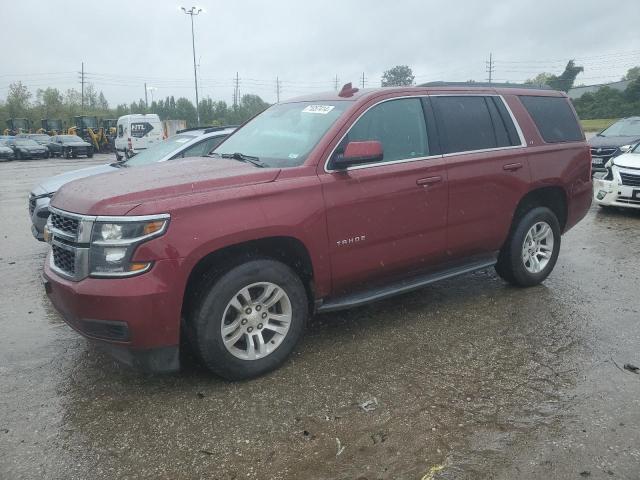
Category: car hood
[5,149]
[596,141]
[52,184]
[119,192]
[629,160]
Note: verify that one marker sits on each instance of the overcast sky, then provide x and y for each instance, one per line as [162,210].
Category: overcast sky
[307,43]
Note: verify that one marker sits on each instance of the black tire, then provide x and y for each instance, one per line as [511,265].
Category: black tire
[66,153]
[210,301]
[511,266]
[118,157]
[90,155]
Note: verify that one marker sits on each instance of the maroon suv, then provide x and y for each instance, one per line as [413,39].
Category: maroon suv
[320,203]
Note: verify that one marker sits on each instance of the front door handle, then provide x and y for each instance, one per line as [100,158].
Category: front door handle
[512,167]
[425,182]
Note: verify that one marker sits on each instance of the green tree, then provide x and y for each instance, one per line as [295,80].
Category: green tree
[398,76]
[18,100]
[102,102]
[186,111]
[565,81]
[632,74]
[50,102]
[540,79]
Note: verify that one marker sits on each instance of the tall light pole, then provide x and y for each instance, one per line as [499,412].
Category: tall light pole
[193,11]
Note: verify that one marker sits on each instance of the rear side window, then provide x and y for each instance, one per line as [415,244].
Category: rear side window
[465,123]
[554,118]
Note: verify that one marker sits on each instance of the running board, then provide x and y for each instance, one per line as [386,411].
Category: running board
[403,286]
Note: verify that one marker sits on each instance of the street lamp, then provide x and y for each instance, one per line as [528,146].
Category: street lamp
[192,12]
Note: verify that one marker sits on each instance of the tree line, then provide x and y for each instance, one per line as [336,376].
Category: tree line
[52,103]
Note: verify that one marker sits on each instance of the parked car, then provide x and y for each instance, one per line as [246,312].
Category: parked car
[69,146]
[25,148]
[136,133]
[317,204]
[620,185]
[189,143]
[614,140]
[43,139]
[6,152]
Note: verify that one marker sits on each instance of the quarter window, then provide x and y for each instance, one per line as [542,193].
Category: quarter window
[464,123]
[398,124]
[554,118]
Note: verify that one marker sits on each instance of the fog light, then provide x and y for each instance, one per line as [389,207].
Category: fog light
[601,194]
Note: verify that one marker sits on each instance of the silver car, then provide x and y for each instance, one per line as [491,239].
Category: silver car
[187,143]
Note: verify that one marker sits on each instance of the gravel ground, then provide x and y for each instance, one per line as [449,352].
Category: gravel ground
[469,378]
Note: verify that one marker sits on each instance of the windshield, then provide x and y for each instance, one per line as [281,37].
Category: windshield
[284,134]
[25,142]
[627,127]
[159,150]
[70,139]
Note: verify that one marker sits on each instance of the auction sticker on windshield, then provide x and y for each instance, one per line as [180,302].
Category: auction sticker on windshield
[321,109]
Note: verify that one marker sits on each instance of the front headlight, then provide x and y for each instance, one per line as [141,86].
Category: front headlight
[625,148]
[114,241]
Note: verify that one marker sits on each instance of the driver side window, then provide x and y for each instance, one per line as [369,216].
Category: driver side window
[398,124]
[203,148]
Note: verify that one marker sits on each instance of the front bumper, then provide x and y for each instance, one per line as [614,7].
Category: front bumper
[137,319]
[611,193]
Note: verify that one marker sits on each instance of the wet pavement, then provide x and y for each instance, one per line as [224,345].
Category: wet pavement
[469,378]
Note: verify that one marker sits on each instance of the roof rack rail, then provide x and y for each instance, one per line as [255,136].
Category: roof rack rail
[485,84]
[207,129]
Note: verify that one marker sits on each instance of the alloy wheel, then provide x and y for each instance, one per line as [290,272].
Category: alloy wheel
[256,321]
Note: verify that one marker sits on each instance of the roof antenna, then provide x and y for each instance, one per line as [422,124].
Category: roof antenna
[348,90]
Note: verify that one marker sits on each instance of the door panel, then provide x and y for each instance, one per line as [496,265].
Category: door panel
[482,199]
[381,222]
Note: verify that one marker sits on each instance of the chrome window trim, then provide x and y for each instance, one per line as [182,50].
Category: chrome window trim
[445,155]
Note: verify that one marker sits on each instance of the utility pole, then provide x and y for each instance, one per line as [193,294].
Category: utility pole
[236,91]
[335,83]
[146,102]
[82,88]
[277,90]
[193,11]
[490,68]
[363,79]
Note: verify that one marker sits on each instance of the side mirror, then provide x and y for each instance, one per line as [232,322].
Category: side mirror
[357,153]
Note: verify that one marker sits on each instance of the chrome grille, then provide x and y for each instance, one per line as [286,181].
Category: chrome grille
[603,152]
[64,259]
[630,179]
[66,224]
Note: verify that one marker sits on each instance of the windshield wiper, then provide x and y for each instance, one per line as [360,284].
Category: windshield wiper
[243,158]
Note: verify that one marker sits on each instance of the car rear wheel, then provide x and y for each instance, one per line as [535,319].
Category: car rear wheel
[532,249]
[247,321]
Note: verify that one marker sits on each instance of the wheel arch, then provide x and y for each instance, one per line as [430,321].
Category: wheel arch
[289,250]
[553,197]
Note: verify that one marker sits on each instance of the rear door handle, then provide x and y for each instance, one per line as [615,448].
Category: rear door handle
[512,167]
[428,181]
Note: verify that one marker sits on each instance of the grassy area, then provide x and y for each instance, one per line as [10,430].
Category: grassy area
[597,124]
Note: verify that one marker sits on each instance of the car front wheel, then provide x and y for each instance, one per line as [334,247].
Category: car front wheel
[247,321]
[532,249]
